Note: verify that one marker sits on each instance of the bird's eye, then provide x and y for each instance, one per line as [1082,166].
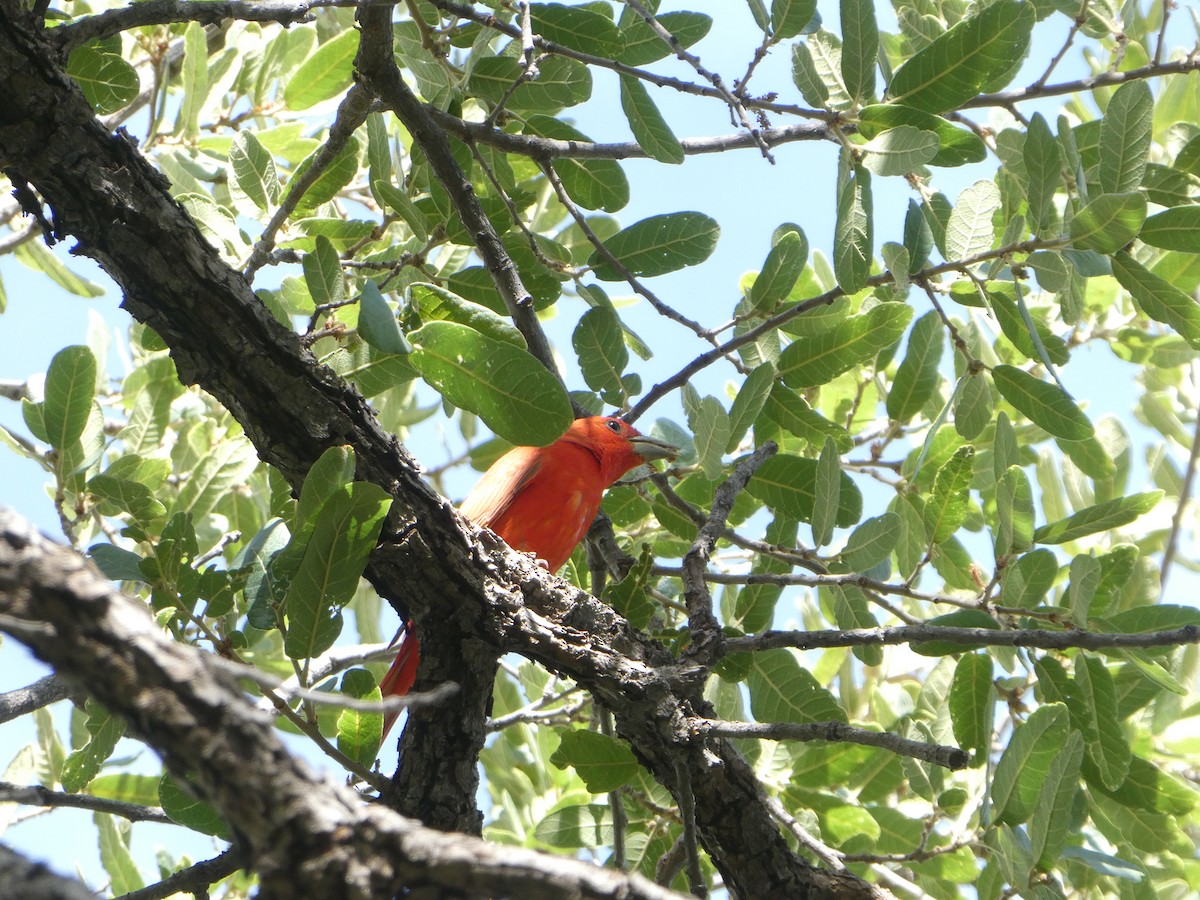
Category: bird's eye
[614,426]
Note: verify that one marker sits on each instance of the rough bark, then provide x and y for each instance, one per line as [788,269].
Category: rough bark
[472,600]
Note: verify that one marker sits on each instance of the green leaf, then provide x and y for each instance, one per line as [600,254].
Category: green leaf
[359,734]
[574,826]
[1043,170]
[507,388]
[917,376]
[643,45]
[1125,134]
[966,59]
[604,763]
[1159,299]
[860,48]
[600,345]
[1026,761]
[1015,321]
[649,128]
[107,80]
[398,202]
[1026,581]
[324,74]
[70,390]
[1160,617]
[333,471]
[1046,405]
[576,26]
[1109,222]
[709,424]
[343,536]
[783,691]
[1050,826]
[658,245]
[118,495]
[853,239]
[1105,746]
[1085,578]
[946,507]
[1101,517]
[340,171]
[970,230]
[781,271]
[1014,513]
[591,183]
[791,412]
[115,856]
[956,146]
[851,610]
[749,402]
[788,17]
[116,563]
[434,302]
[126,787]
[827,493]
[377,324]
[857,340]
[787,484]
[323,274]
[38,257]
[962,618]
[104,730]
[900,150]
[871,542]
[1174,229]
[182,807]
[970,703]
[973,405]
[562,82]
[253,170]
[195,78]
[806,77]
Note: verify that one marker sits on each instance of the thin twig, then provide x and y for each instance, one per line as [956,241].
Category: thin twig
[706,634]
[737,109]
[194,879]
[36,795]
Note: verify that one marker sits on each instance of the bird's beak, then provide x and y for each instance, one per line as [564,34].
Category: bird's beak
[649,448]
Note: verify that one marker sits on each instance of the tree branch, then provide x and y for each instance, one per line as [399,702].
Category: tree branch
[984,637]
[42,692]
[950,757]
[36,795]
[305,835]
[21,877]
[194,879]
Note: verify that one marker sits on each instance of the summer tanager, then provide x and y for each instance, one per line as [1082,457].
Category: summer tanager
[542,500]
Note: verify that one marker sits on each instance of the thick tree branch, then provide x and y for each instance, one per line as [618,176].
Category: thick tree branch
[306,836]
[20,877]
[165,12]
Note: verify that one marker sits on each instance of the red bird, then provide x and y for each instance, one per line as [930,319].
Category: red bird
[542,500]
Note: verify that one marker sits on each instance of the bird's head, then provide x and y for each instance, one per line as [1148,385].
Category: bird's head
[617,444]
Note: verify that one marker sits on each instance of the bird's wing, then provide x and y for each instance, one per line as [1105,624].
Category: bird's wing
[501,485]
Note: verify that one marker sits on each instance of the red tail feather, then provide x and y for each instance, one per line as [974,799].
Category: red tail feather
[400,677]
